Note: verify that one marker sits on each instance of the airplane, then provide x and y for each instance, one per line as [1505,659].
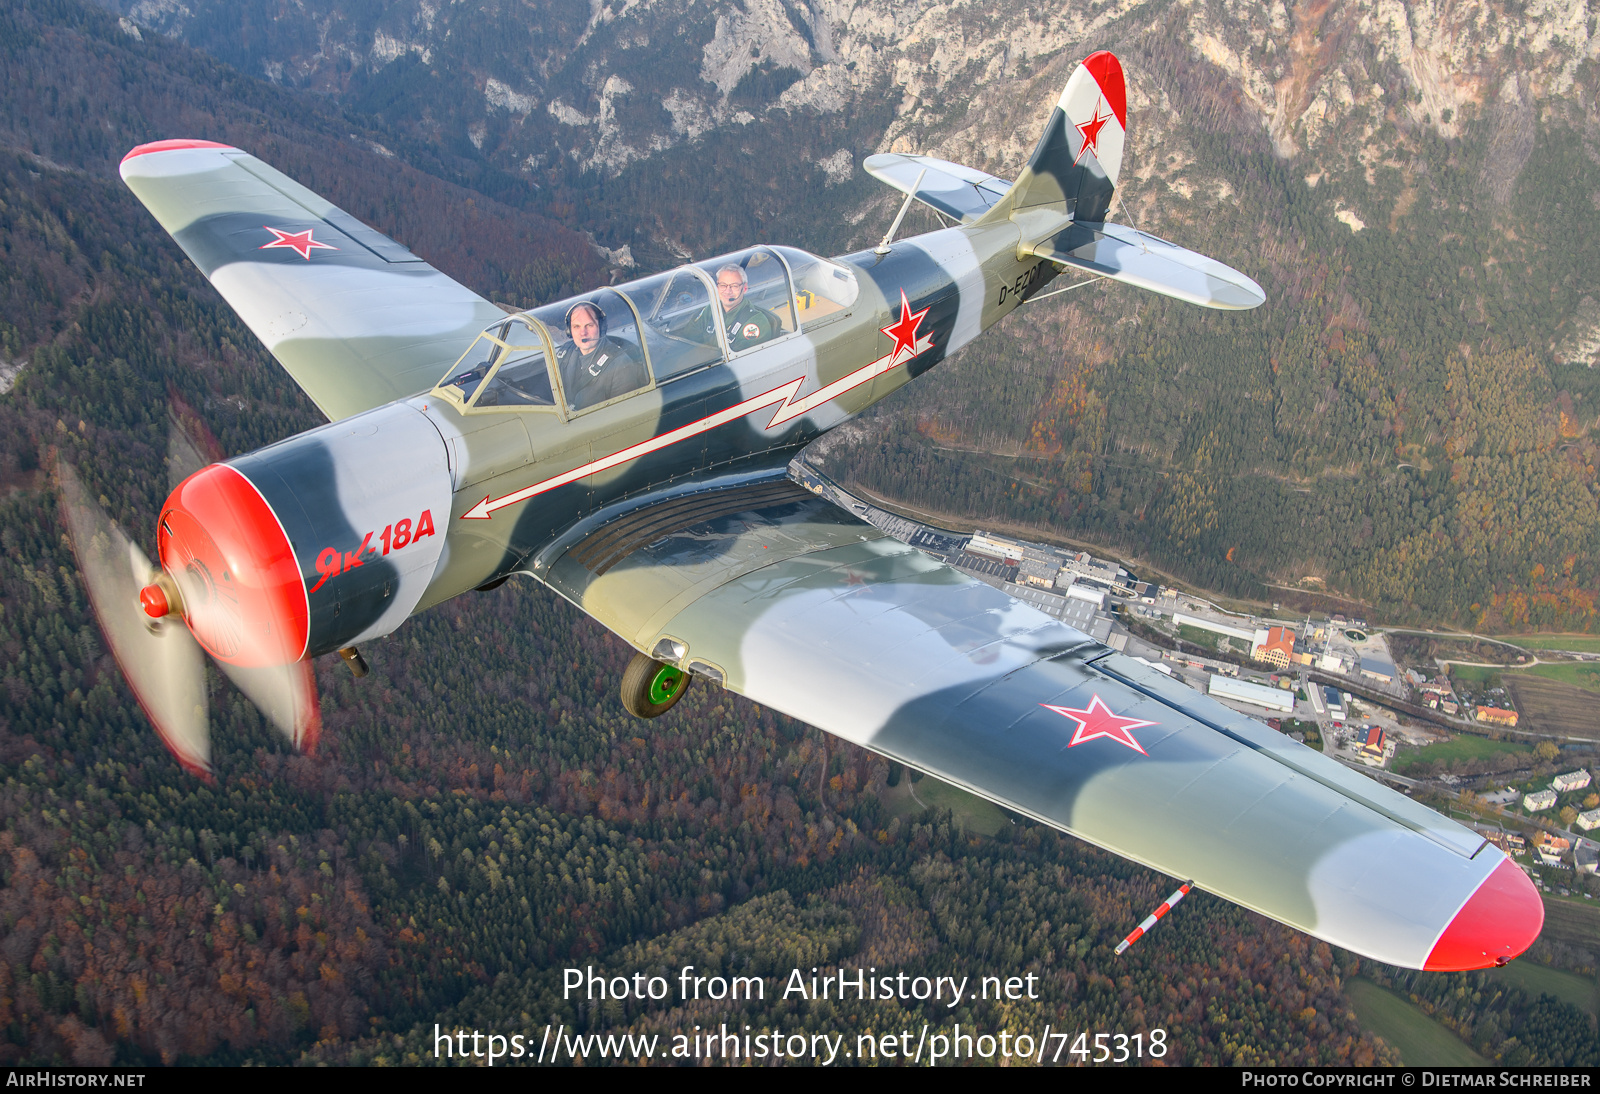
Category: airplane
[630,449]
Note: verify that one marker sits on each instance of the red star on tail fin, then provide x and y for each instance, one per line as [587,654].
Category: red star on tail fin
[1091,132]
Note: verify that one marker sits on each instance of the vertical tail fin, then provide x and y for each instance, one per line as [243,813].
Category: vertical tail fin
[1075,165]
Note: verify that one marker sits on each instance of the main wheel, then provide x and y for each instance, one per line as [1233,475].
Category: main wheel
[650,688]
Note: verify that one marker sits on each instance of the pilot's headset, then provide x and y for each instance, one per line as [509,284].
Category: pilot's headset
[599,314]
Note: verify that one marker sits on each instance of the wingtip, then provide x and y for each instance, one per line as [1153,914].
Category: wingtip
[1249,295]
[1499,921]
[174,145]
[1107,72]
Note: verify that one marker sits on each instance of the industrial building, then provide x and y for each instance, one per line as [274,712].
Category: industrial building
[1335,704]
[1274,645]
[1381,671]
[1241,691]
[999,547]
[1241,633]
[1038,572]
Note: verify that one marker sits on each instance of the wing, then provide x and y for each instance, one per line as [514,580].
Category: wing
[355,318]
[787,599]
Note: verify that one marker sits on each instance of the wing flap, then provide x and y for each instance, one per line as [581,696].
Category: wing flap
[1353,785]
[1143,260]
[354,317]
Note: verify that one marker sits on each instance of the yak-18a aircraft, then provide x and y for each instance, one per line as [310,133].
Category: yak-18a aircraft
[630,447]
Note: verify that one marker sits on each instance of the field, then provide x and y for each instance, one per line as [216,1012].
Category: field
[1578,643]
[1197,636]
[1537,980]
[1585,675]
[1475,676]
[1552,706]
[1457,748]
[973,813]
[1575,922]
[1420,1040]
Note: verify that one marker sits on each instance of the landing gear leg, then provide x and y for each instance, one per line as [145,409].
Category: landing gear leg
[651,688]
[357,663]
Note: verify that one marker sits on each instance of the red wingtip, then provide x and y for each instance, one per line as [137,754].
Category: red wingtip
[1107,72]
[168,146]
[1497,923]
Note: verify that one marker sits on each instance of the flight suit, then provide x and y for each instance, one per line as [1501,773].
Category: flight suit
[747,325]
[612,368]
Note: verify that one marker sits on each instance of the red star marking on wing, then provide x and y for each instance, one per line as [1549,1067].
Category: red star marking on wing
[300,243]
[1096,720]
[1091,132]
[904,332]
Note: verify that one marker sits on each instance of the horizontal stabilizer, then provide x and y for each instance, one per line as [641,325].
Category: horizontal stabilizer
[1138,258]
[956,191]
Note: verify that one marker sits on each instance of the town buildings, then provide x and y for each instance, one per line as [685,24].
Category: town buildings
[1497,716]
[1540,799]
[1509,842]
[1550,848]
[1376,747]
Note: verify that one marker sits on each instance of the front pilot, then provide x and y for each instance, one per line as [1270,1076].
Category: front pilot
[594,366]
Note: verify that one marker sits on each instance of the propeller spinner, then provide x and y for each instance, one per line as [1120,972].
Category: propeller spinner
[227,583]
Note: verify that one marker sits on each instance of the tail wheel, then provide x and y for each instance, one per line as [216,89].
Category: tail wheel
[651,688]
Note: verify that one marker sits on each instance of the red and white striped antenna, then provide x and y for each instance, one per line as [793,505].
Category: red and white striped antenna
[1150,921]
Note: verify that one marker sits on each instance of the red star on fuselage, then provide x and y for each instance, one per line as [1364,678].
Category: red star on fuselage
[300,243]
[1091,132]
[904,332]
[1096,720]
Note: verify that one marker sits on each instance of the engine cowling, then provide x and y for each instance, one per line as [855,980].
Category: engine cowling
[310,545]
[239,585]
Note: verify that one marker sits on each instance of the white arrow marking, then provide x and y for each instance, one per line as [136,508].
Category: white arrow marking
[786,411]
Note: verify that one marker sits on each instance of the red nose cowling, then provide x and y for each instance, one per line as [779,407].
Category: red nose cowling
[243,596]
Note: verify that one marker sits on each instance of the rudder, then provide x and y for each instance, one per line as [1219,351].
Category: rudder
[1075,165]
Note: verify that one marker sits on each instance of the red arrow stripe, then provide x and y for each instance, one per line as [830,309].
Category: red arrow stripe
[780,395]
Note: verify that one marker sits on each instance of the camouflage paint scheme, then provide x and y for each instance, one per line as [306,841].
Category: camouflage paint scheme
[669,515]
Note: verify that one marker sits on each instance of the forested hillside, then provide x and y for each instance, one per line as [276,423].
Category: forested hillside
[480,813]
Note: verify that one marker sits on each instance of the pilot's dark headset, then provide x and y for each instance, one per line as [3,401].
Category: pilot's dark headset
[599,314]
